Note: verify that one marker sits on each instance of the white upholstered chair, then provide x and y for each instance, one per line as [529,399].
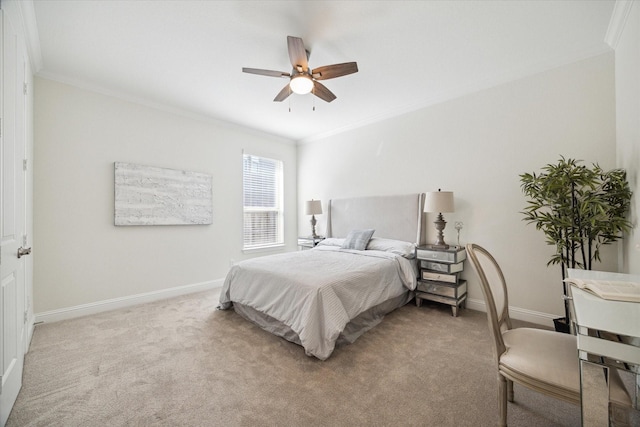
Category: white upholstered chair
[541,360]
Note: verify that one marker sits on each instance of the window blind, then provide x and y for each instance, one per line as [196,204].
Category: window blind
[262,198]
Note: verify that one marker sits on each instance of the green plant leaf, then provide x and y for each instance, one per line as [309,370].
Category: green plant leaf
[578,208]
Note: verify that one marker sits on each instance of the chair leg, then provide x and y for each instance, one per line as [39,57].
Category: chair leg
[510,390]
[502,400]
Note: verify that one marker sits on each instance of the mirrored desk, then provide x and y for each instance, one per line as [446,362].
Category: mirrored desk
[608,336]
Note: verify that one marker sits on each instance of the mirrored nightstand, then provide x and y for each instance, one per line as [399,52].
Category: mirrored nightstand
[308,242]
[439,278]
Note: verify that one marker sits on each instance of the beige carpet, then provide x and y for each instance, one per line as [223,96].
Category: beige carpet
[180,362]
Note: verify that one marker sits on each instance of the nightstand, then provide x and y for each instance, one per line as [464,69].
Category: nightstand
[308,242]
[439,276]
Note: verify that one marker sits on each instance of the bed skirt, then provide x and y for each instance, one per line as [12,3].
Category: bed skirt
[352,331]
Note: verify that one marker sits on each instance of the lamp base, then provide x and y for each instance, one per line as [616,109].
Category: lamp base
[313,227]
[440,225]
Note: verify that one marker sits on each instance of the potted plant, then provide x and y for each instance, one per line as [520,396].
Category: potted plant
[579,209]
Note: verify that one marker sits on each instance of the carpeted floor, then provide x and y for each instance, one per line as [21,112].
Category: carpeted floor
[180,362]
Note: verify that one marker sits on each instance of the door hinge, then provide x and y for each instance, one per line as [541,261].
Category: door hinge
[25,163]
[26,317]
[24,240]
[24,88]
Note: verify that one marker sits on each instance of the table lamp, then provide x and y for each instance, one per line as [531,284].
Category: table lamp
[313,208]
[439,201]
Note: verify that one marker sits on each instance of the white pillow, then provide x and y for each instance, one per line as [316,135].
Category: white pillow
[398,247]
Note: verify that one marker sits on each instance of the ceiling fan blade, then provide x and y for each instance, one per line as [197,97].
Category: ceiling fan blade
[322,92]
[283,94]
[269,73]
[335,70]
[297,53]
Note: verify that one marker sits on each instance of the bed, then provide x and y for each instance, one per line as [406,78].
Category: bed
[335,292]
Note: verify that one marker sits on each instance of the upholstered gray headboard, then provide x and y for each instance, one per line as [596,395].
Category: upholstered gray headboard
[398,217]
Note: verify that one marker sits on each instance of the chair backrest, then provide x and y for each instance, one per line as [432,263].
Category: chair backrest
[494,289]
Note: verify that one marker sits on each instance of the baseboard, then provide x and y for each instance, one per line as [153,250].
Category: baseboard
[115,303]
[30,328]
[539,318]
[536,317]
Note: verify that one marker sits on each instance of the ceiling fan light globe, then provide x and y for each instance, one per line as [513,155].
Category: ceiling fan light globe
[301,84]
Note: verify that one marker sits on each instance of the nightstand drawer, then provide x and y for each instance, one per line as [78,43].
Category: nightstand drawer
[452,256]
[442,267]
[439,277]
[444,289]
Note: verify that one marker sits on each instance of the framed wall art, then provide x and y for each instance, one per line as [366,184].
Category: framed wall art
[147,195]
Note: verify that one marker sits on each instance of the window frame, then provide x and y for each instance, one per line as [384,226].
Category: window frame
[278,208]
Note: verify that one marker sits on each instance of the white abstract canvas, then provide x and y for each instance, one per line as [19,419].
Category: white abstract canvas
[147,195]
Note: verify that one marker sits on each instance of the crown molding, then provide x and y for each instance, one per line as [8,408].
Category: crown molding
[24,18]
[167,108]
[617,22]
[32,38]
[464,90]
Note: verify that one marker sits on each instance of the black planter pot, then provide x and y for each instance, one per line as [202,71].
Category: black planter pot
[562,325]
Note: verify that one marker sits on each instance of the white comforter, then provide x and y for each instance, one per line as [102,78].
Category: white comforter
[317,292]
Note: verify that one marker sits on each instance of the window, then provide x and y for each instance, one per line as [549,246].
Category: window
[262,195]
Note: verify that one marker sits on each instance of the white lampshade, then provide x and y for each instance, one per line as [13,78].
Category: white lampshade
[439,201]
[301,84]
[313,207]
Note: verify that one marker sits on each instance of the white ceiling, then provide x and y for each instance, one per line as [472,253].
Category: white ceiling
[188,55]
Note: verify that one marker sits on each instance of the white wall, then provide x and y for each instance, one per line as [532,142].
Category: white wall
[80,257]
[627,65]
[477,146]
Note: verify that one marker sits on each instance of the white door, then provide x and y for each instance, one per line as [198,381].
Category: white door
[12,221]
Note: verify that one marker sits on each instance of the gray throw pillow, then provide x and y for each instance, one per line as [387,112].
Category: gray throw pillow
[358,239]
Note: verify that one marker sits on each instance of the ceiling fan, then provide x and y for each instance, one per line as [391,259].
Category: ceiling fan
[302,79]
